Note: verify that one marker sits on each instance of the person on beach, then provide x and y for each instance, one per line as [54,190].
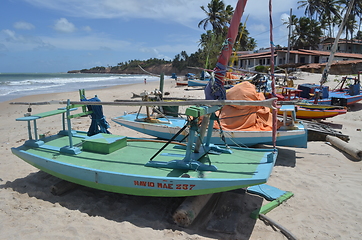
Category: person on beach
[145,80]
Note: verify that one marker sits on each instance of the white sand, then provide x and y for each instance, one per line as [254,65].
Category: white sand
[325,181]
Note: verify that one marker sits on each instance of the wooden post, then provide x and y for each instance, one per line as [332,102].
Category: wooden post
[345,147]
[162,79]
[189,209]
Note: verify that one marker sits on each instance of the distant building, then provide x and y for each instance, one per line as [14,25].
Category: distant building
[344,46]
[348,54]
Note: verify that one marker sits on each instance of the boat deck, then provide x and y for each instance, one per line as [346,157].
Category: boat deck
[124,170]
[129,160]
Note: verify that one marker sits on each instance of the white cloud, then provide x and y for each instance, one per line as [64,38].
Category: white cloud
[154,53]
[184,12]
[9,35]
[23,25]
[87,28]
[260,28]
[94,42]
[17,42]
[62,25]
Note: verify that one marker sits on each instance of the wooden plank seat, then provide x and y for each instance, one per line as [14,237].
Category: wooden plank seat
[34,141]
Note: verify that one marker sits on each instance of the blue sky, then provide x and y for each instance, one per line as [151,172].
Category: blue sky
[62,35]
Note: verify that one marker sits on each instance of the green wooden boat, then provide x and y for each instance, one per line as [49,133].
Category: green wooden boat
[144,167]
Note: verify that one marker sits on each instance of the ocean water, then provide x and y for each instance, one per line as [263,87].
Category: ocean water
[15,85]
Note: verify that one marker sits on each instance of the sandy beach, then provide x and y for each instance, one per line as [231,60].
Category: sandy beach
[326,183]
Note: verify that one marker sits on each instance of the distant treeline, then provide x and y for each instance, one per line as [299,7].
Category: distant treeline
[179,64]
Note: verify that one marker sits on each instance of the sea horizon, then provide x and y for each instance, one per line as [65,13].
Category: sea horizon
[15,85]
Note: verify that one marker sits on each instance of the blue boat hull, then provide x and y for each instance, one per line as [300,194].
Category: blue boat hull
[297,137]
[127,174]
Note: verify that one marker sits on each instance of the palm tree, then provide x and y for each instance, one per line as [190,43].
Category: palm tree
[312,7]
[329,13]
[355,12]
[244,43]
[358,35]
[251,44]
[228,13]
[217,16]
[210,45]
[351,24]
[306,33]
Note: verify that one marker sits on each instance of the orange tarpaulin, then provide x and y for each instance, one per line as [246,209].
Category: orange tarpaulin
[229,75]
[245,118]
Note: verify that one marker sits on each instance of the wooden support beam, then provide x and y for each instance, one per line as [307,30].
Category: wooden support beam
[186,213]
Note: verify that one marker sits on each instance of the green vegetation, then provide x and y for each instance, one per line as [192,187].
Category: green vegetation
[261,68]
[133,64]
[306,32]
[218,16]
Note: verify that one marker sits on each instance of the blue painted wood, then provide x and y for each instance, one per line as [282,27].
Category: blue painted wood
[268,192]
[296,137]
[144,185]
[211,169]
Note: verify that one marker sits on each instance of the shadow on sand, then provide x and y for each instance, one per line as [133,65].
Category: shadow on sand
[153,212]
[226,216]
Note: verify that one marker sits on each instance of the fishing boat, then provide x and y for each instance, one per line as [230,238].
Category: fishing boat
[229,81]
[166,127]
[342,96]
[181,82]
[239,126]
[309,111]
[145,167]
[197,83]
[302,98]
[149,167]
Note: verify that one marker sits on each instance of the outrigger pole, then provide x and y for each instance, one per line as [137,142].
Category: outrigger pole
[264,103]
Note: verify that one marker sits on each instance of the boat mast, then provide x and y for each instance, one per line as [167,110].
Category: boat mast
[289,34]
[333,51]
[215,88]
[274,111]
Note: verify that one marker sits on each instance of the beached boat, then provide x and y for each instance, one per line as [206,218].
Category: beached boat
[240,126]
[229,80]
[310,111]
[145,167]
[305,109]
[342,96]
[166,127]
[181,82]
[197,83]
